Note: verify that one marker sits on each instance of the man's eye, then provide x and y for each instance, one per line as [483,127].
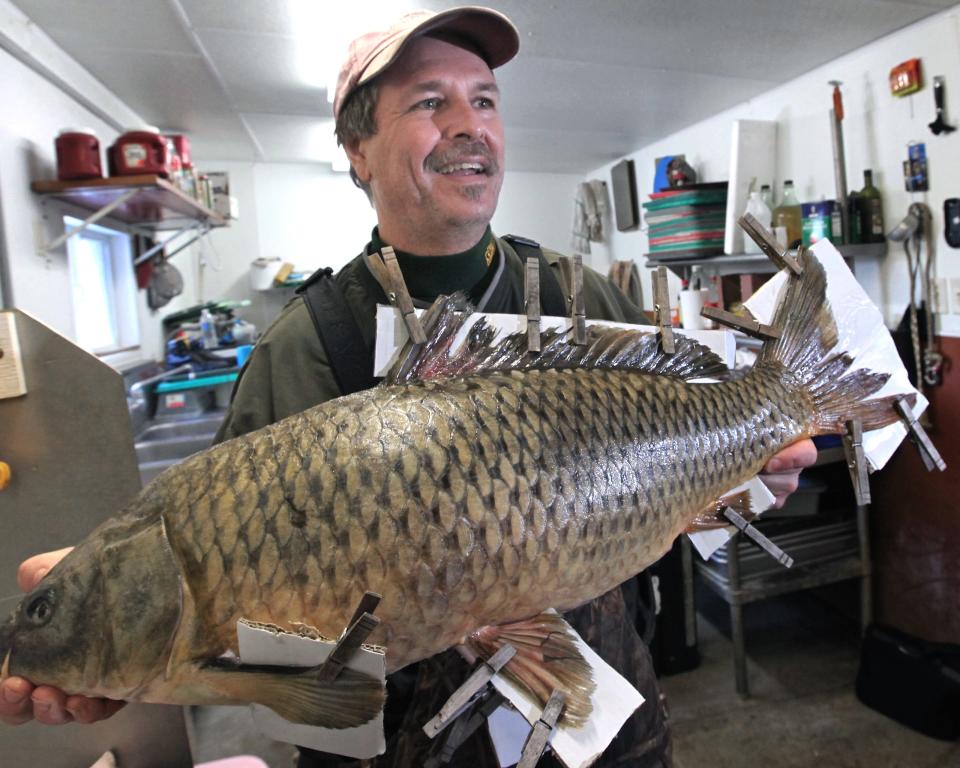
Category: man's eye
[431,103]
[484,103]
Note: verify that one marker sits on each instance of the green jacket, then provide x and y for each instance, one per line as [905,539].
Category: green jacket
[288,371]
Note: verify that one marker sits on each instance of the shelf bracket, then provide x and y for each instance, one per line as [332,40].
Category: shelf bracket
[161,245]
[92,219]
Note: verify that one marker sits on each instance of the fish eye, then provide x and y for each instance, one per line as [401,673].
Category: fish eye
[39,610]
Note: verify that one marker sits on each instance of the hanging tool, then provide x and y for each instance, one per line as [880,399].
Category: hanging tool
[358,630]
[465,725]
[857,461]
[531,290]
[779,255]
[749,326]
[928,453]
[938,126]
[578,312]
[754,535]
[839,160]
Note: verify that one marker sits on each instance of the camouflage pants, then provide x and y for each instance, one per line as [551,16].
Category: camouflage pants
[606,624]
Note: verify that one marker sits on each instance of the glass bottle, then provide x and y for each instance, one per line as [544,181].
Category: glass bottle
[761,212]
[788,215]
[871,211]
[766,194]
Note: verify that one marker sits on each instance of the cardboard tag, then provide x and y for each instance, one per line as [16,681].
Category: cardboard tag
[265,645]
[12,382]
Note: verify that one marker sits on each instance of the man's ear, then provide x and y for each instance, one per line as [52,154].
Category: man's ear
[358,159]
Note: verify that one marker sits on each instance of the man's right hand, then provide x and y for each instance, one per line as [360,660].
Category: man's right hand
[20,700]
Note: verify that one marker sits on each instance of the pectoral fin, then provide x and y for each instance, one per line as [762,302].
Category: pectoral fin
[297,695]
[712,517]
[547,658]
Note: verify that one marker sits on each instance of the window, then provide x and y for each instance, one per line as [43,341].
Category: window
[104,289]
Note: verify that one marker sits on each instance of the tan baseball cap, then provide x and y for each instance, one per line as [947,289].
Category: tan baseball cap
[490,31]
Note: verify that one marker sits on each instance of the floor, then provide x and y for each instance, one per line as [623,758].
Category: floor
[803,656]
[802,712]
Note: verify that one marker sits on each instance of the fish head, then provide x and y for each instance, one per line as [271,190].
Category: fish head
[102,620]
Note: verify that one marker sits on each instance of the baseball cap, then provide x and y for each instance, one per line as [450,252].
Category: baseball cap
[490,31]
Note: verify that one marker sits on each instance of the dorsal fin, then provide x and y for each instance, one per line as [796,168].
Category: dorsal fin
[607,348]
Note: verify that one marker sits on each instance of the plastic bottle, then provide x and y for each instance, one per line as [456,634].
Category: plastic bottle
[761,212]
[766,194]
[871,211]
[208,329]
[789,216]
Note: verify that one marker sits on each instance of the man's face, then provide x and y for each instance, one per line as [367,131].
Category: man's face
[435,164]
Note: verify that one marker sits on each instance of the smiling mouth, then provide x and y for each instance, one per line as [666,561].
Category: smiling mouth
[462,169]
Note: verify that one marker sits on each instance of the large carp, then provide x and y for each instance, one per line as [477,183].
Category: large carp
[478,487]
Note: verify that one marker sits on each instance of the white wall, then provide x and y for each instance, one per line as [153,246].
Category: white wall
[312,217]
[877,129]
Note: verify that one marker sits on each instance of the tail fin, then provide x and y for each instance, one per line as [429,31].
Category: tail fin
[808,335]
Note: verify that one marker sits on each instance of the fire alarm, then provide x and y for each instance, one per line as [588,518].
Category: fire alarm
[905,78]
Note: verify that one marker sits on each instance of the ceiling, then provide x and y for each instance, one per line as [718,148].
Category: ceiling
[593,80]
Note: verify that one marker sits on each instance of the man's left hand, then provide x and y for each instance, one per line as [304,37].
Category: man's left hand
[782,473]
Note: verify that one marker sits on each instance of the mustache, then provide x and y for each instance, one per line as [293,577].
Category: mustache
[463,153]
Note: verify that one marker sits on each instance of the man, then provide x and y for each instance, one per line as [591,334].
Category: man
[417,110]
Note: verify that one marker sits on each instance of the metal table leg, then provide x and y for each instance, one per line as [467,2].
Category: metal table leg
[736,617]
[866,568]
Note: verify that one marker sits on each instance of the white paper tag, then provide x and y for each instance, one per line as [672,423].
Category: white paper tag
[861,333]
[708,542]
[613,701]
[261,645]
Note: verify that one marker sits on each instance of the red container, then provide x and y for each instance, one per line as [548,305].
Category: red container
[140,151]
[182,144]
[78,155]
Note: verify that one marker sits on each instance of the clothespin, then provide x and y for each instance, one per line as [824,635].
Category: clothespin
[461,697]
[741,524]
[578,312]
[749,326]
[385,267]
[661,310]
[918,435]
[465,725]
[856,461]
[532,292]
[537,740]
[770,247]
[358,630]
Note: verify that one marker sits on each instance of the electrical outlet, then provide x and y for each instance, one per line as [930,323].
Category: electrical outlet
[940,299]
[954,291]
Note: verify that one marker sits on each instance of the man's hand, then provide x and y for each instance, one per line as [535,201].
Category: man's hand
[20,700]
[782,473]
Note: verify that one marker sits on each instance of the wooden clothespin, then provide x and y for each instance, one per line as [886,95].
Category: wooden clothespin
[747,325]
[770,247]
[918,435]
[578,312]
[358,630]
[536,742]
[465,725]
[387,271]
[856,461]
[461,697]
[661,310]
[531,290]
[741,524]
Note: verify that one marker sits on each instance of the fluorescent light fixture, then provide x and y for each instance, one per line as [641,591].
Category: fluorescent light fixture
[323,30]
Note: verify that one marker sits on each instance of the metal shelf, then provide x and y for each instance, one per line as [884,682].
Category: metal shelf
[749,263]
[143,205]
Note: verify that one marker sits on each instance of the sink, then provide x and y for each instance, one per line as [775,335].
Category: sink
[161,444]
